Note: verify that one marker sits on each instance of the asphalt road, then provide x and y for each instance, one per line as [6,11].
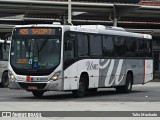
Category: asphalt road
[143,98]
[149,92]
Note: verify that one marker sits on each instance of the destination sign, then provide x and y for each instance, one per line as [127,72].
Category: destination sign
[41,31]
[37,31]
[23,31]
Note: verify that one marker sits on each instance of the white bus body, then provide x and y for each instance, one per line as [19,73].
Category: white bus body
[78,58]
[4,54]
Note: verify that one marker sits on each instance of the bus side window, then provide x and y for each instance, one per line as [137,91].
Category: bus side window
[95,45]
[131,47]
[148,48]
[119,45]
[108,46]
[141,48]
[69,46]
[5,52]
[82,45]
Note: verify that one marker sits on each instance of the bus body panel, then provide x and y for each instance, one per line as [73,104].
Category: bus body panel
[91,67]
[113,72]
[148,70]
[136,66]
[3,68]
[70,77]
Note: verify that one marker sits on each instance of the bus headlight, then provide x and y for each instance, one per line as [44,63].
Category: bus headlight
[55,76]
[11,76]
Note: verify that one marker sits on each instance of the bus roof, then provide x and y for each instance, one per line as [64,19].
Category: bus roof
[108,30]
[101,29]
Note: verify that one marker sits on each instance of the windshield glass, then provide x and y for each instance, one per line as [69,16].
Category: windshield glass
[35,53]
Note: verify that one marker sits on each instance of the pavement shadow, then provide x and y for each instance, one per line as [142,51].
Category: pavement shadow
[67,96]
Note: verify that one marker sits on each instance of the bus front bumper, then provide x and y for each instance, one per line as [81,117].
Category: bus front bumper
[30,86]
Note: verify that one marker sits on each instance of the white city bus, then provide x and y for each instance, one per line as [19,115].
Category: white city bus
[4,54]
[78,58]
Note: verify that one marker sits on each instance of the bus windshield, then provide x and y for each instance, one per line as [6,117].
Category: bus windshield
[34,53]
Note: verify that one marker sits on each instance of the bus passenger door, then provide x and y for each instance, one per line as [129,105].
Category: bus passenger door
[70,64]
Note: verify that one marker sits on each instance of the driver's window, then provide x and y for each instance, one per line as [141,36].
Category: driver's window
[69,46]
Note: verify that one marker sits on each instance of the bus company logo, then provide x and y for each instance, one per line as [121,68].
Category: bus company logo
[83,29]
[91,66]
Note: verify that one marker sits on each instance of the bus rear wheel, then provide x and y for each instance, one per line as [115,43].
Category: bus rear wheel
[5,80]
[38,94]
[127,87]
[82,88]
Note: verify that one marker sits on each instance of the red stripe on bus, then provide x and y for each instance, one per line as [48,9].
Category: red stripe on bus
[28,78]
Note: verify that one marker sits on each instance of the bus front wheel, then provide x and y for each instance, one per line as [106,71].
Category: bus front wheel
[38,93]
[5,80]
[82,88]
[127,87]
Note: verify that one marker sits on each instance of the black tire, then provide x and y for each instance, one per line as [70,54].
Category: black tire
[5,80]
[92,90]
[128,87]
[82,88]
[38,94]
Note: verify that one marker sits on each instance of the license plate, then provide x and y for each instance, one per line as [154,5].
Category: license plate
[32,87]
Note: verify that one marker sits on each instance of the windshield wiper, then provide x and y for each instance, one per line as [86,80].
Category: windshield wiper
[42,46]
